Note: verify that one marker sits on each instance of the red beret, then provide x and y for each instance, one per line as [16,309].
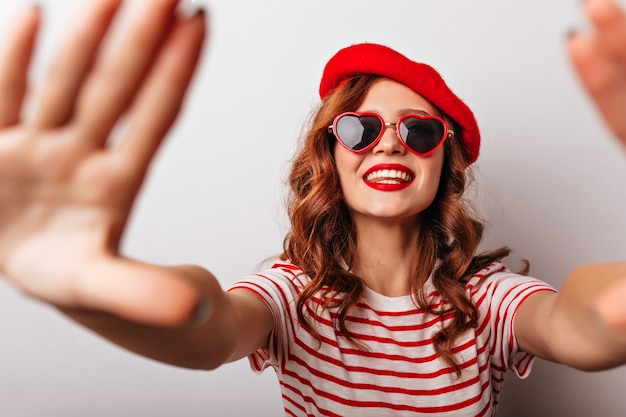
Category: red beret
[369,58]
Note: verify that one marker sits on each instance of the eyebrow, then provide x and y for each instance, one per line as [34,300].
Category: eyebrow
[403,112]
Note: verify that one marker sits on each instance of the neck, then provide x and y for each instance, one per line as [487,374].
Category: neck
[386,254]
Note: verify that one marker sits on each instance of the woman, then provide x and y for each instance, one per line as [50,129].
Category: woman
[399,315]
[370,238]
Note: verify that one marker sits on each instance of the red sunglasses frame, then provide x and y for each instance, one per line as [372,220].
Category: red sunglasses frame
[447,132]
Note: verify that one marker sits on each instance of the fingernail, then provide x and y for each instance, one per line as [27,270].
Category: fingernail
[36,7]
[571,33]
[192,8]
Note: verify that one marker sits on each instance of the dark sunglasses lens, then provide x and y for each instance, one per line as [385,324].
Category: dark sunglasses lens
[421,135]
[357,132]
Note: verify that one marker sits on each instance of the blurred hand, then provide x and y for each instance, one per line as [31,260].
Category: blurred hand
[600,60]
[65,191]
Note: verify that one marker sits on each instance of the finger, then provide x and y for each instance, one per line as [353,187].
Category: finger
[603,79]
[610,23]
[66,75]
[138,292]
[161,98]
[119,72]
[15,58]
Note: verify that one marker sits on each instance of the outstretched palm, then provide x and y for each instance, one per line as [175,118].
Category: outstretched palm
[600,59]
[65,190]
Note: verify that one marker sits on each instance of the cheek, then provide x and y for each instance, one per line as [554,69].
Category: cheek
[431,169]
[346,162]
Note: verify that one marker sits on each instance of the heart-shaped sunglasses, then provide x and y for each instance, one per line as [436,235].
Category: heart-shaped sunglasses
[420,134]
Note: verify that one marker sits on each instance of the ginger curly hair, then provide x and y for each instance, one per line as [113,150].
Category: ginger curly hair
[323,233]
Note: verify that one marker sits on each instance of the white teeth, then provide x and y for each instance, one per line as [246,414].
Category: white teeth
[391,176]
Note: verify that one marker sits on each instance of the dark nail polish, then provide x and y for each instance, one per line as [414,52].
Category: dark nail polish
[571,33]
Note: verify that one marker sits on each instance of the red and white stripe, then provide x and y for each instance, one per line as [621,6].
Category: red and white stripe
[400,373]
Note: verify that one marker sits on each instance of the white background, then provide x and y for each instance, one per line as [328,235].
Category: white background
[550,182]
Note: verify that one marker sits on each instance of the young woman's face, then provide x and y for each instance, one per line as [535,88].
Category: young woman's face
[388,181]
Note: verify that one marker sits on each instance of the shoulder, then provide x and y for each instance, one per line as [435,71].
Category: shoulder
[492,271]
[283,270]
[498,283]
[283,280]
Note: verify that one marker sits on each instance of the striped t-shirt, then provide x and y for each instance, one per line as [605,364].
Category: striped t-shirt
[399,373]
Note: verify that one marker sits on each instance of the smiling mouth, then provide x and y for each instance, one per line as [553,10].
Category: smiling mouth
[389,176]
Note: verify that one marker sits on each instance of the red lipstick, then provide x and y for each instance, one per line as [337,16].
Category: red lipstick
[388,177]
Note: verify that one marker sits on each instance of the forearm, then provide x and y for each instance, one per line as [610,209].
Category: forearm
[205,340]
[588,314]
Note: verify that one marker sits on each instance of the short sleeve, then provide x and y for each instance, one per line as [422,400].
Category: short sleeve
[277,288]
[497,294]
